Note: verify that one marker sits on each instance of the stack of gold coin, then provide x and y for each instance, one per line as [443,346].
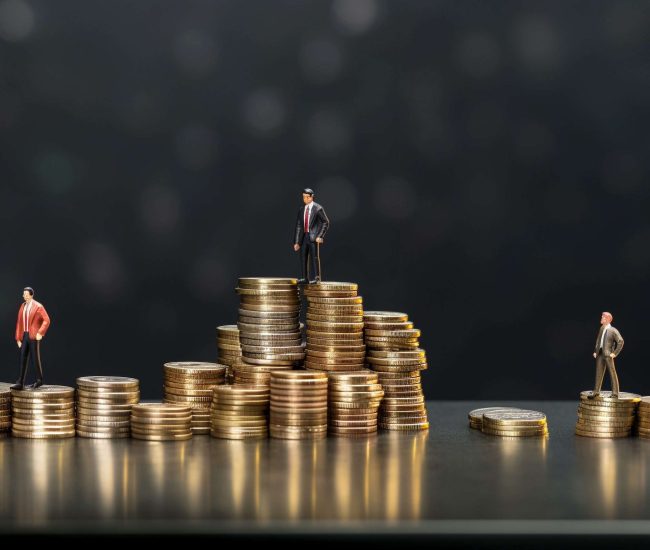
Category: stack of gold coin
[643,418]
[269,328]
[104,406]
[334,327]
[476,416]
[514,423]
[353,403]
[393,351]
[298,404]
[43,413]
[161,422]
[605,416]
[5,409]
[240,412]
[228,348]
[190,383]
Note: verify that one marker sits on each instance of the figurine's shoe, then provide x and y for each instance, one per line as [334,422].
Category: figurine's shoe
[35,385]
[302,281]
[313,282]
[592,395]
[614,396]
[17,386]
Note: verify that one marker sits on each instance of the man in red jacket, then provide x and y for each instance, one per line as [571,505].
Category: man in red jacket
[32,324]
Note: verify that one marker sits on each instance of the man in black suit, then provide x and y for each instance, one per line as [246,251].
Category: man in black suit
[311,226]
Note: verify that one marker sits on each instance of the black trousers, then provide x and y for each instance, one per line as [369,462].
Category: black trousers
[308,258]
[30,349]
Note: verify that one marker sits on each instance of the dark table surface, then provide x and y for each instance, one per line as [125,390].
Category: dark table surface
[449,480]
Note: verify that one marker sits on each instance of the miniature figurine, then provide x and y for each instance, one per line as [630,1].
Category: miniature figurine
[311,226]
[609,344]
[32,324]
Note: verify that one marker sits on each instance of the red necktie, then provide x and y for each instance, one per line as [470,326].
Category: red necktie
[306,219]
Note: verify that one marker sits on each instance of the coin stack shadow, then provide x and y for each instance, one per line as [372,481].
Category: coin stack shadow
[393,351]
[104,406]
[334,327]
[161,422]
[476,416]
[353,403]
[43,413]
[642,426]
[228,348]
[606,417]
[190,383]
[514,423]
[298,404]
[240,412]
[269,329]
[5,409]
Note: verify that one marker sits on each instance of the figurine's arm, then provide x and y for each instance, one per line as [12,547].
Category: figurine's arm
[619,342]
[45,324]
[326,223]
[18,335]
[299,222]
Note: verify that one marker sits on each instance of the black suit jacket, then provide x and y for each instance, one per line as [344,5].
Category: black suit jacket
[318,223]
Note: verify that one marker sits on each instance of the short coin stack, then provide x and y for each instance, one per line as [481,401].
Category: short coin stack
[392,349]
[605,416]
[515,423]
[298,404]
[476,416]
[334,327]
[190,383]
[643,418]
[104,406]
[269,328]
[5,409]
[353,403]
[161,422]
[43,413]
[228,348]
[240,412]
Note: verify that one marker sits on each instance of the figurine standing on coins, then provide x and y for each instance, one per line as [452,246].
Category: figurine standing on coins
[609,344]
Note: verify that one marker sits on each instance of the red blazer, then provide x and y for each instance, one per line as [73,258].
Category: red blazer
[39,321]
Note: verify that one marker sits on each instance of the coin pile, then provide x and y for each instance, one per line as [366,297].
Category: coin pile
[353,403]
[190,383]
[606,417]
[643,418]
[476,416]
[269,328]
[228,348]
[514,423]
[104,406]
[161,422]
[5,409]
[298,404]
[240,412]
[46,412]
[393,350]
[334,327]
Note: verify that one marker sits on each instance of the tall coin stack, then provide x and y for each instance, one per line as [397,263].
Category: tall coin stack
[269,328]
[43,413]
[190,383]
[334,327]
[5,409]
[514,423]
[605,416]
[228,348]
[161,422]
[393,350]
[643,418]
[104,406]
[353,403]
[298,404]
[240,412]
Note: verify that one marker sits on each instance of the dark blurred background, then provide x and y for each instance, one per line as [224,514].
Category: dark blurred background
[484,165]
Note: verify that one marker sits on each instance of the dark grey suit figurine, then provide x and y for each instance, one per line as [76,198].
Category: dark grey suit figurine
[311,226]
[609,344]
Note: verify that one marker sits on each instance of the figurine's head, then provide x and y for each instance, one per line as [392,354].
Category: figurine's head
[307,195]
[606,318]
[28,293]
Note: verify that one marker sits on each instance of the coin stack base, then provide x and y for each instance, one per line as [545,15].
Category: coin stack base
[353,403]
[606,417]
[228,348]
[190,383]
[161,422]
[240,412]
[5,409]
[514,423]
[104,406]
[43,413]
